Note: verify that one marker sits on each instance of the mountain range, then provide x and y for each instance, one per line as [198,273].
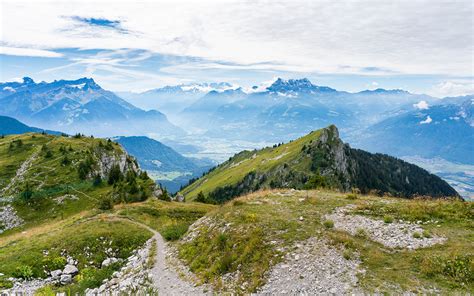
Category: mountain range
[79,106]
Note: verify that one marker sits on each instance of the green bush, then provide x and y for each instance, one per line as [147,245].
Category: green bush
[360,232]
[328,224]
[174,232]
[387,219]
[352,196]
[115,175]
[24,272]
[426,234]
[105,203]
[417,235]
[52,262]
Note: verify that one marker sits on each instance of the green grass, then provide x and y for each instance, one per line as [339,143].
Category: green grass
[171,219]
[245,235]
[234,170]
[86,240]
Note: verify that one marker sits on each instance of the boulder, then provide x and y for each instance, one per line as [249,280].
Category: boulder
[65,279]
[70,269]
[179,197]
[109,261]
[55,274]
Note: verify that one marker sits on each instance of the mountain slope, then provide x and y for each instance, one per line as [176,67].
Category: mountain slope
[166,166]
[444,130]
[78,106]
[11,126]
[318,159]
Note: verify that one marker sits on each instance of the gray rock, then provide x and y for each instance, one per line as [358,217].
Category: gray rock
[109,261]
[70,269]
[65,279]
[55,274]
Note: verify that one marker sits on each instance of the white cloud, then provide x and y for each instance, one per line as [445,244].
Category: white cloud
[408,37]
[30,52]
[427,120]
[9,88]
[454,88]
[421,105]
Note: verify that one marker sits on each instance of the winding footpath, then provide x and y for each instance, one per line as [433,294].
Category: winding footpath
[165,278]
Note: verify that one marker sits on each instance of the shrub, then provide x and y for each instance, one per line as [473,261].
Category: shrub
[105,203]
[24,272]
[387,219]
[97,180]
[316,181]
[115,175]
[225,263]
[27,192]
[426,234]
[347,254]
[201,198]
[54,263]
[328,224]
[65,161]
[417,235]
[360,232]
[237,203]
[85,167]
[164,195]
[174,232]
[351,196]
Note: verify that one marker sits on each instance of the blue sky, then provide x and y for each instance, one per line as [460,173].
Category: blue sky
[420,46]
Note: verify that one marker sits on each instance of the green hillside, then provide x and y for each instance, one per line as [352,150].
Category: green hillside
[46,177]
[319,159]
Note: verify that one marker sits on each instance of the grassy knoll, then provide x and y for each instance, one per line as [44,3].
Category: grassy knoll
[252,233]
[171,219]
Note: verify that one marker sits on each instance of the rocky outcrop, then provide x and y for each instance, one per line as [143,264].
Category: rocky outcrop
[108,160]
[397,234]
[9,218]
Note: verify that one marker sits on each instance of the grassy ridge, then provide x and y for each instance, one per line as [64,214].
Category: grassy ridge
[236,168]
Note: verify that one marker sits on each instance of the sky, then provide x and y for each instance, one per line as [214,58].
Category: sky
[417,45]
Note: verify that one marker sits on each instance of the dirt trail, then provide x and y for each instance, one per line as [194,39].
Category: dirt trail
[165,279]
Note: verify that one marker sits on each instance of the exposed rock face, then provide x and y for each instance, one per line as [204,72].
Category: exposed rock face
[107,161]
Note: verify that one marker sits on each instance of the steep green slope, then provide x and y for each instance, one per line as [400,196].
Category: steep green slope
[44,177]
[319,159]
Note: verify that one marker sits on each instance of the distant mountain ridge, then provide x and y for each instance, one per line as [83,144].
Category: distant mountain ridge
[161,160]
[444,130]
[78,106]
[319,159]
[11,126]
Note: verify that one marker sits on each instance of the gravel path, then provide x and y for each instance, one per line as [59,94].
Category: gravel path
[164,277]
[21,171]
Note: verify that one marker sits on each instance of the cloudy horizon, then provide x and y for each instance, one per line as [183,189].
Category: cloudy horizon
[419,46]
